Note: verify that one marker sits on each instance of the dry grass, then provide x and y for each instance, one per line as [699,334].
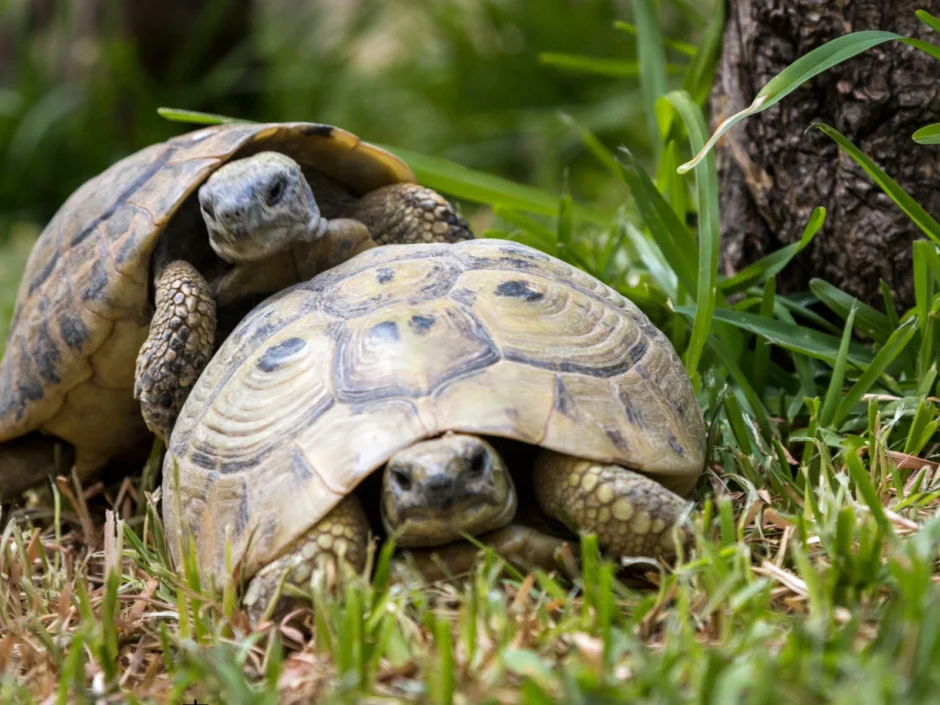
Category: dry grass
[806,595]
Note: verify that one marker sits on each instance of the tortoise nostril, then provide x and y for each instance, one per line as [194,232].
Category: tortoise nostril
[402,478]
[231,215]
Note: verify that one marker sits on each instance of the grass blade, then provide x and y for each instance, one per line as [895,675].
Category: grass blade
[863,483]
[804,368]
[762,347]
[776,261]
[674,44]
[928,19]
[699,76]
[668,232]
[194,117]
[671,184]
[806,341]
[615,68]
[870,321]
[547,237]
[652,58]
[706,181]
[758,408]
[924,287]
[894,347]
[929,134]
[834,393]
[469,184]
[796,74]
[592,144]
[913,209]
[926,47]
[653,259]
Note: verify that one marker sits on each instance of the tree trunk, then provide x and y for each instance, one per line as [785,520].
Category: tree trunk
[773,173]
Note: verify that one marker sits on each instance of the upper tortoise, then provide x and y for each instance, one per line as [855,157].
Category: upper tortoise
[156,258]
[426,361]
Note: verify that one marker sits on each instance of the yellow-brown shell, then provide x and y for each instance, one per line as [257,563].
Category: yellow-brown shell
[82,312]
[322,383]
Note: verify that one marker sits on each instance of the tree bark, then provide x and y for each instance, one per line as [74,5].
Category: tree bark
[773,172]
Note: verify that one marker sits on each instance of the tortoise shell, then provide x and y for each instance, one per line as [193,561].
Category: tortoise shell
[83,309]
[324,382]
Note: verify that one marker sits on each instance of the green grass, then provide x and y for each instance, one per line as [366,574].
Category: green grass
[813,572]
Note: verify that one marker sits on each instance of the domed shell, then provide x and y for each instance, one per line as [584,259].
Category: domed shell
[83,312]
[322,383]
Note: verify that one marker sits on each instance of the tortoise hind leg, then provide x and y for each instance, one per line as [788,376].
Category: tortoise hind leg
[342,535]
[407,214]
[180,344]
[632,515]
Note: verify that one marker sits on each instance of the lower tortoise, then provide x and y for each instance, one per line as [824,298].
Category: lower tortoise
[422,361]
[154,259]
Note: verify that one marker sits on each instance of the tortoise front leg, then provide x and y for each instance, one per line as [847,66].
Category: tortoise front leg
[340,537]
[520,545]
[407,214]
[180,344]
[632,515]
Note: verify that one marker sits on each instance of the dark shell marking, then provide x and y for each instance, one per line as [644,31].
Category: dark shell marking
[520,290]
[422,324]
[276,354]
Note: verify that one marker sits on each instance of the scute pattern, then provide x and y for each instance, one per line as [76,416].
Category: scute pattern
[83,307]
[403,343]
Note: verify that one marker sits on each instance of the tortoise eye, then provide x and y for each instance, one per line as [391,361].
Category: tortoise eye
[208,209]
[275,193]
[478,463]
[401,478]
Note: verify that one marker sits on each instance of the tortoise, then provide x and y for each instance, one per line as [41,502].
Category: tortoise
[419,360]
[224,215]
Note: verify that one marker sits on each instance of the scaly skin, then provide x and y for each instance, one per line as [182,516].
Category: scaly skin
[180,344]
[340,537]
[631,514]
[409,214]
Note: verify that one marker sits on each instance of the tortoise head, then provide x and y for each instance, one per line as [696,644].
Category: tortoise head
[258,206]
[439,490]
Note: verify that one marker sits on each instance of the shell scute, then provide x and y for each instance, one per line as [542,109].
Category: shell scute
[407,279]
[545,323]
[381,355]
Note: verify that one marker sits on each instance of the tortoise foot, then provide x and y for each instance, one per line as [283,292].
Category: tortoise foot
[632,515]
[409,213]
[341,537]
[523,546]
[180,344]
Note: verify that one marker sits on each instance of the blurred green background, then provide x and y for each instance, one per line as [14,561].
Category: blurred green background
[473,81]
[80,81]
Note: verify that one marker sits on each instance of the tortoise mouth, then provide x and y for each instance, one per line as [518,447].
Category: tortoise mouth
[424,526]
